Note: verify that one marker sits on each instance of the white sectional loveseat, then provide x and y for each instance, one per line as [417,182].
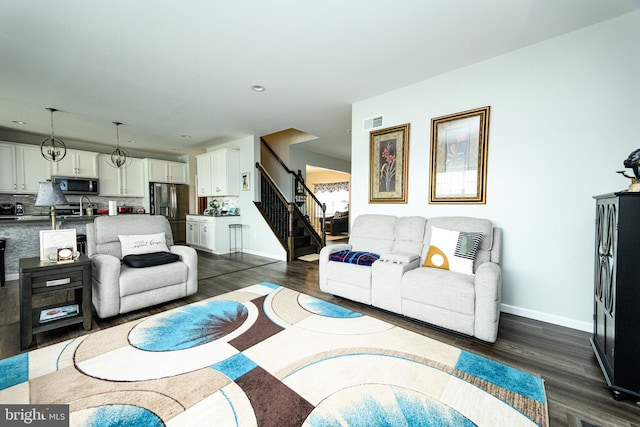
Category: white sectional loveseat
[398,281]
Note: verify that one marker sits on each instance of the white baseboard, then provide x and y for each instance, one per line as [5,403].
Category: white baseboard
[266,255]
[549,318]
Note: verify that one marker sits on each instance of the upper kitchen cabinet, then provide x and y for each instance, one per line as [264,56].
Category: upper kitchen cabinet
[127,181]
[204,175]
[8,174]
[166,171]
[77,163]
[219,173]
[22,168]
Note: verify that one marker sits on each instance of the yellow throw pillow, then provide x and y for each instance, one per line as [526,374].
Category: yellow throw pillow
[452,250]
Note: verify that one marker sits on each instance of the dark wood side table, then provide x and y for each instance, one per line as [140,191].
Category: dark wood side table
[44,277]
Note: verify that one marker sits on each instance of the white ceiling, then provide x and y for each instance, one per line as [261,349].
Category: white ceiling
[170,68]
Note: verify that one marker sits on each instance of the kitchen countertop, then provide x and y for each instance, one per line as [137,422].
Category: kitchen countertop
[47,218]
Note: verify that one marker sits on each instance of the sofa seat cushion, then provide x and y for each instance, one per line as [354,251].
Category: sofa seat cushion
[440,288]
[354,257]
[352,274]
[136,280]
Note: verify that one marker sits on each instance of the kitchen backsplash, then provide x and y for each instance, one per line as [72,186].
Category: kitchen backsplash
[28,202]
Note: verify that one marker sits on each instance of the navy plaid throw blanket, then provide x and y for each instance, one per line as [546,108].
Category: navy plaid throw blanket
[354,257]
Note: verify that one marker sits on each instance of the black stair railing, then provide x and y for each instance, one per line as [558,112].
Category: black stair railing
[274,207]
[301,213]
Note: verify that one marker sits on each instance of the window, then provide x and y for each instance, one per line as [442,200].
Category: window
[335,195]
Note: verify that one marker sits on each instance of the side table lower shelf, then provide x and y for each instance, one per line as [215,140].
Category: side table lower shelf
[46,278]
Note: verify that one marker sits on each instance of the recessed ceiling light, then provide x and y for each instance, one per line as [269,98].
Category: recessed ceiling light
[18,122]
[258,88]
[131,141]
[185,136]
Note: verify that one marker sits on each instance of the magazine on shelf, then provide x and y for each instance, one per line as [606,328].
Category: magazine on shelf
[58,312]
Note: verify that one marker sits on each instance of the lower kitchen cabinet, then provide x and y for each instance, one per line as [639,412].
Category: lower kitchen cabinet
[210,233]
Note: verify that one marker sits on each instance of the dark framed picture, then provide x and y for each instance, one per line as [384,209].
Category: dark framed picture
[389,164]
[459,144]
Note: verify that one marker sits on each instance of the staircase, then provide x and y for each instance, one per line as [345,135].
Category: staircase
[291,220]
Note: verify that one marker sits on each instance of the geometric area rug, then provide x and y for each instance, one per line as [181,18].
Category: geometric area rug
[266,355]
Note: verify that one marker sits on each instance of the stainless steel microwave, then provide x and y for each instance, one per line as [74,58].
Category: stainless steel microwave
[74,185]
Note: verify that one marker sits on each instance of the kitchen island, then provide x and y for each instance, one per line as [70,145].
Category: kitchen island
[211,233]
[22,235]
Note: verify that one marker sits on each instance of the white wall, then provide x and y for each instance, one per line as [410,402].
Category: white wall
[301,158]
[258,237]
[564,115]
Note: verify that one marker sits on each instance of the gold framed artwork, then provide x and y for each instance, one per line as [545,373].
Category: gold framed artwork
[459,144]
[389,164]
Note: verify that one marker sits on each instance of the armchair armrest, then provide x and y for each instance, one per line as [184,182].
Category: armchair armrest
[105,287]
[189,256]
[488,286]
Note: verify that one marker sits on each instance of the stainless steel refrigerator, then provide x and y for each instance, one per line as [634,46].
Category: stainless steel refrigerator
[172,201]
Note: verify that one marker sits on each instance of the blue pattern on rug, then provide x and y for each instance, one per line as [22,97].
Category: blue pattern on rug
[189,326]
[122,415]
[15,370]
[235,366]
[270,285]
[408,409]
[504,376]
[324,308]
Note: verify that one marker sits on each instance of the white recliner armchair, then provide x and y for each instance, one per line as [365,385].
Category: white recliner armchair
[119,288]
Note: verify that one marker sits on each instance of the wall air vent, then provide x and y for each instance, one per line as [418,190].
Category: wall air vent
[372,123]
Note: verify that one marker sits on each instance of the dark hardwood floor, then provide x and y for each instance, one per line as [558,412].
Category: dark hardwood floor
[563,357]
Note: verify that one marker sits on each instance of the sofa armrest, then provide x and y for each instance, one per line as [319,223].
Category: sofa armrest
[189,256]
[324,260]
[105,294]
[399,257]
[488,287]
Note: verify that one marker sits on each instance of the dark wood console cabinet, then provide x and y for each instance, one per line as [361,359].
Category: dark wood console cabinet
[616,333]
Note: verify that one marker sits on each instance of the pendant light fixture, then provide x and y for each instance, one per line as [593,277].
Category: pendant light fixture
[53,148]
[119,156]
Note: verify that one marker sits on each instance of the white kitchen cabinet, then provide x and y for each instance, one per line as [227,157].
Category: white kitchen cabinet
[127,181]
[8,166]
[219,173]
[209,233]
[22,168]
[166,171]
[204,175]
[77,163]
[32,168]
[193,232]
